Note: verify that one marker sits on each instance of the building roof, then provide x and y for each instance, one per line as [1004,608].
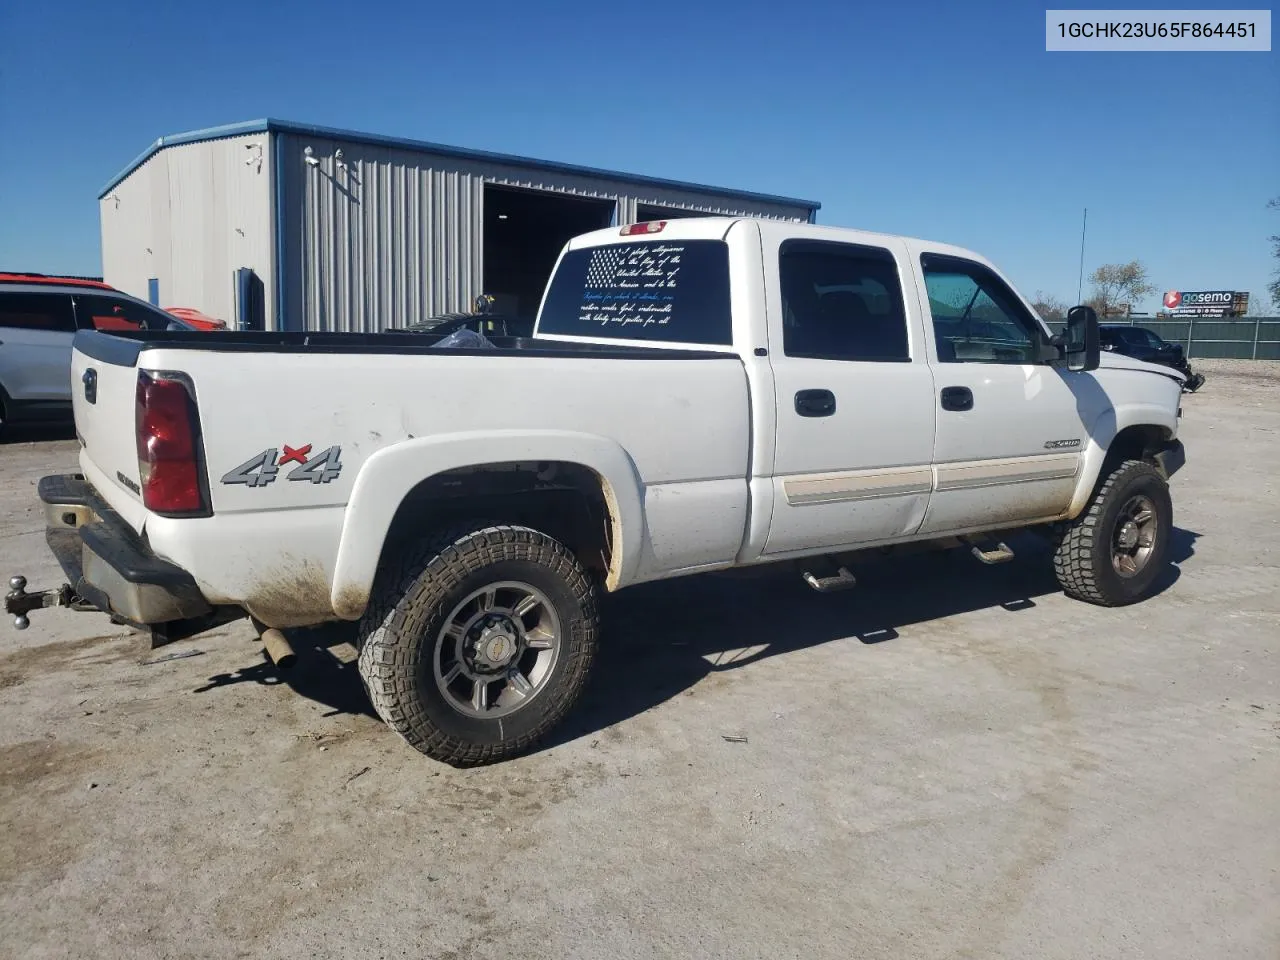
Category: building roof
[271,125]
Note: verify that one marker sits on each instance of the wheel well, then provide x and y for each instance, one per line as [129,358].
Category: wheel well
[563,500]
[1139,442]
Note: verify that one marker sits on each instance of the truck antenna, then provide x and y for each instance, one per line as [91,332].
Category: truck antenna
[1080,279]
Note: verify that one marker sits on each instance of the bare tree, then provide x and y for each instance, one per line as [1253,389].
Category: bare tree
[1260,305]
[1116,284]
[1049,307]
[1273,287]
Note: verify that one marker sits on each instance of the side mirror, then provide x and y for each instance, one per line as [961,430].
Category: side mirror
[1080,340]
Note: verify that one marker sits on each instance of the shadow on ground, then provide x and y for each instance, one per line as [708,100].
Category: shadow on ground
[661,639]
[15,433]
[321,673]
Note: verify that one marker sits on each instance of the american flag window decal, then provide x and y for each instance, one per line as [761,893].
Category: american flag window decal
[603,266]
[674,291]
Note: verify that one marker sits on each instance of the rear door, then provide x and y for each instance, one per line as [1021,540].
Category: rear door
[853,394]
[36,330]
[1011,427]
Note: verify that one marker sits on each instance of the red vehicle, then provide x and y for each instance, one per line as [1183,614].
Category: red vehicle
[197,319]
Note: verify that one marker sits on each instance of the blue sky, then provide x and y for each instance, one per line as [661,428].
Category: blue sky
[947,121]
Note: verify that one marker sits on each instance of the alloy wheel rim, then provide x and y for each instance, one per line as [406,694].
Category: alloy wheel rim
[497,649]
[1134,538]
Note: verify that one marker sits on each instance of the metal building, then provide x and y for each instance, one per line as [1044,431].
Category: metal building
[278,225]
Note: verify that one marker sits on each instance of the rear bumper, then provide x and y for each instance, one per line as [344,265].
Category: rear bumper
[108,564]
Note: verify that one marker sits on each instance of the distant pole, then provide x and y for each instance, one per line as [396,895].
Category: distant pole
[1080,282]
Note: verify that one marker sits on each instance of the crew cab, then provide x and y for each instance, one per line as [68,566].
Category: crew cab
[698,395]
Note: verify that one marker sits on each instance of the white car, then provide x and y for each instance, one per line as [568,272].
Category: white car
[39,316]
[698,395]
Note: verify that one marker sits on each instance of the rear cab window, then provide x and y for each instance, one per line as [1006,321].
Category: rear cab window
[669,291]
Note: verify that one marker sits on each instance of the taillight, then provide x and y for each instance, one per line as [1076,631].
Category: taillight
[168,437]
[653,226]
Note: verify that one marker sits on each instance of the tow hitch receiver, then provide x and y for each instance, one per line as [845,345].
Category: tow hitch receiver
[19,603]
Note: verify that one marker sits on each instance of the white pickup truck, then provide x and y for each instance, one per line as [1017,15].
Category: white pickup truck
[699,394]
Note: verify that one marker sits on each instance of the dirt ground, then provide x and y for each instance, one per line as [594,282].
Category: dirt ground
[951,761]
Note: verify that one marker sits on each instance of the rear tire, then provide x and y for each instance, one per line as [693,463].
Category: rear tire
[479,642]
[1112,553]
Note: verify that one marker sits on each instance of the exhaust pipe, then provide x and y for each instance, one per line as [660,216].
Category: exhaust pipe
[278,648]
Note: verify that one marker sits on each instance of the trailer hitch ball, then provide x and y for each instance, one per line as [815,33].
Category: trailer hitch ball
[19,603]
[18,588]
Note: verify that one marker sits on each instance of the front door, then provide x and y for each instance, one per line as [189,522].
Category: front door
[854,395]
[1011,427]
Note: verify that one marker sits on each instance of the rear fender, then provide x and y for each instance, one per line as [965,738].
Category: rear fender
[388,476]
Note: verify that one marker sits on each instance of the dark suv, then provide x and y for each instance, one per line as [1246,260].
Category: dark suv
[1143,344]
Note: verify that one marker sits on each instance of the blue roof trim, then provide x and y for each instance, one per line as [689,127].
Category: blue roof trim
[462,153]
[195,136]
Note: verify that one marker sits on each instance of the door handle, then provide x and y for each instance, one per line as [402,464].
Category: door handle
[815,403]
[957,398]
[90,380]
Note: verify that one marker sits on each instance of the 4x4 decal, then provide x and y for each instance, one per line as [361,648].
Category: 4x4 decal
[262,469]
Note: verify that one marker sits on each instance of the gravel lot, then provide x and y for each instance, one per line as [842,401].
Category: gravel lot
[950,761]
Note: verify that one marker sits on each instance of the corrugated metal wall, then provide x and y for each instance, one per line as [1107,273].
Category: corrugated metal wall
[373,238]
[190,216]
[125,216]
[384,236]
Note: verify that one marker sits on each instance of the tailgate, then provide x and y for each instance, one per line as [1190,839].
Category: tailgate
[104,379]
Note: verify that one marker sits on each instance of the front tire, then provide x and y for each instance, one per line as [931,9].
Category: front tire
[1112,553]
[479,643]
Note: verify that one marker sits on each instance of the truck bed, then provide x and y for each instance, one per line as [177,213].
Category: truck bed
[384,411]
[123,348]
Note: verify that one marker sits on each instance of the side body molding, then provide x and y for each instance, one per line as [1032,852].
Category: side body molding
[388,476]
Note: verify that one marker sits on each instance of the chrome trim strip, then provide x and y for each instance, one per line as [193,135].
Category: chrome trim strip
[991,473]
[856,485]
[852,485]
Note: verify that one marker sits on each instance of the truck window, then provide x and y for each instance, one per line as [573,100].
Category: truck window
[841,302]
[37,311]
[670,290]
[95,312]
[976,317]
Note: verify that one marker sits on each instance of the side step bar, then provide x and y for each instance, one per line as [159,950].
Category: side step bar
[842,579]
[1000,553]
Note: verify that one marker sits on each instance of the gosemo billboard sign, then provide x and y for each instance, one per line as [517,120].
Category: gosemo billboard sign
[1206,303]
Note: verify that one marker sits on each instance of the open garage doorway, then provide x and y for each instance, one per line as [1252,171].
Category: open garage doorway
[524,231]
